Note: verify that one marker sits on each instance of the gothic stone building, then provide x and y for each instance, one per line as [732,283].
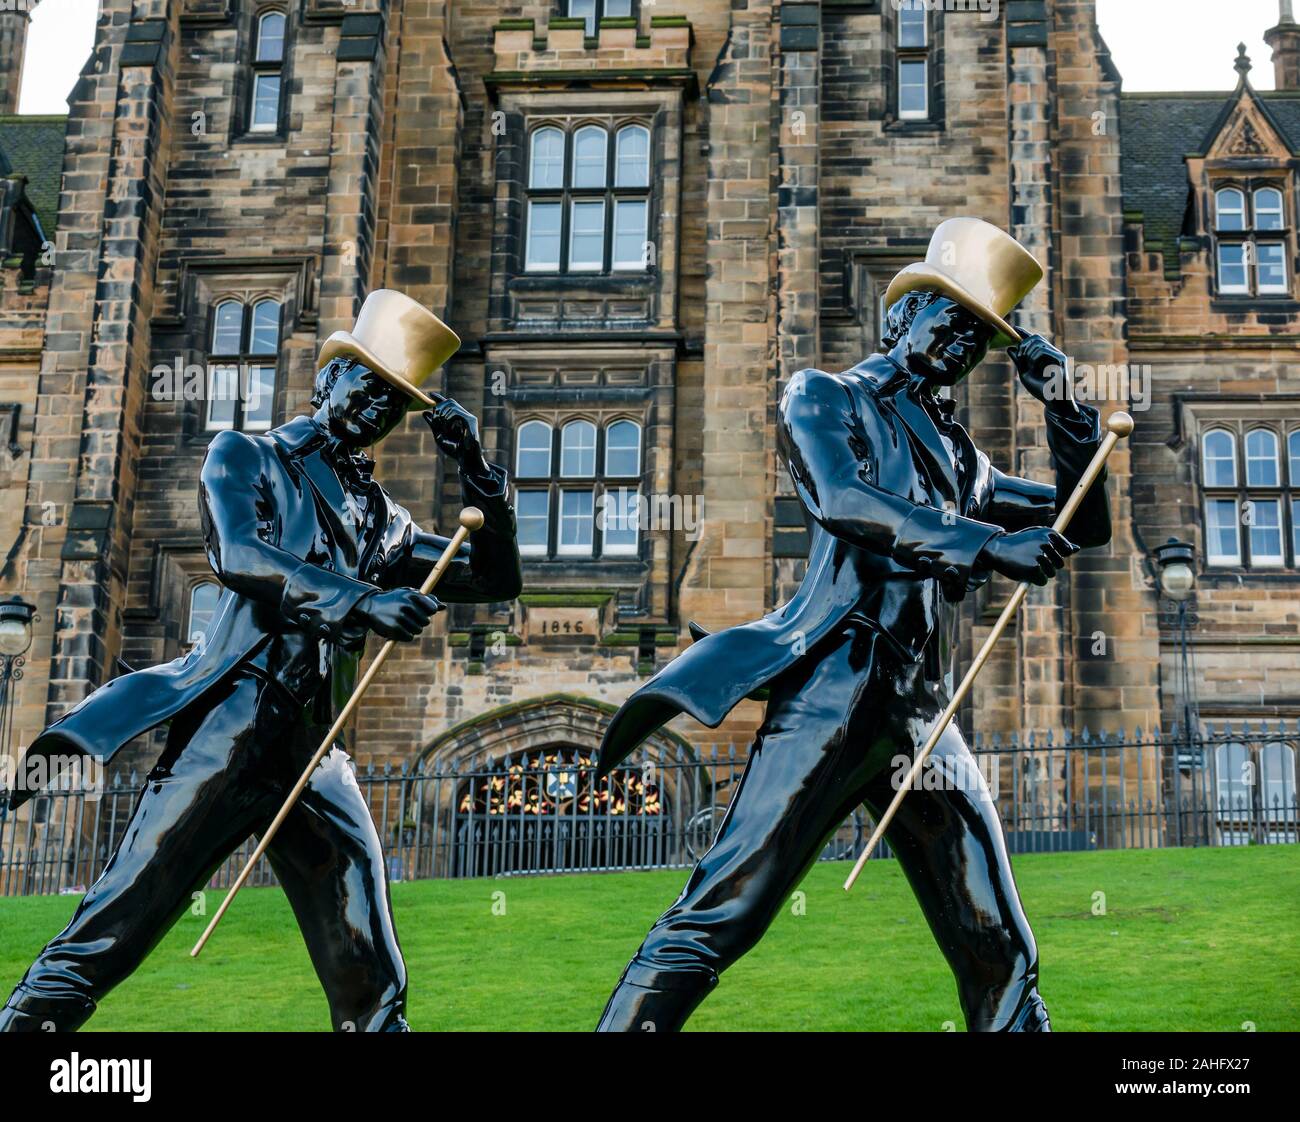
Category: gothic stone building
[642,218]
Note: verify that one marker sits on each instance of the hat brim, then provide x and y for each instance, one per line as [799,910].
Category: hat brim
[343,344]
[923,277]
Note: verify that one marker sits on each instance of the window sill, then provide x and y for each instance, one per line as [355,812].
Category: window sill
[255,139]
[1244,302]
[916,125]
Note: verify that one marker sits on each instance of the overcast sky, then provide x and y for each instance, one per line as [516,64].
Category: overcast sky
[1157,44]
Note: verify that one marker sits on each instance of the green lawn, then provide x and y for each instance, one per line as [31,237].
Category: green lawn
[1194,939]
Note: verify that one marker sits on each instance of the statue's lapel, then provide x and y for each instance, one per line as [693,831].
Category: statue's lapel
[331,502]
[926,442]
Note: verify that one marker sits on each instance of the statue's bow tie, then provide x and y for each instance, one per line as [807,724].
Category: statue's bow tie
[352,467]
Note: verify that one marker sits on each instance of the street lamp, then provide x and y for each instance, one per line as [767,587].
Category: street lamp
[1177,573]
[16,616]
[1176,561]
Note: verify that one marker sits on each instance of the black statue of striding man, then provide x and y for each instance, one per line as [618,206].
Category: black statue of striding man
[906,516]
[314,554]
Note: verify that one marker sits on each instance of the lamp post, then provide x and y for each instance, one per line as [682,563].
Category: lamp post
[1176,561]
[16,616]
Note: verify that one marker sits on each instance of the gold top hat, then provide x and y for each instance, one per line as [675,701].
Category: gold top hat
[401,341]
[981,267]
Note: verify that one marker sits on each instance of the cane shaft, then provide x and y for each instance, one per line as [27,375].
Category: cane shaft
[1085,483]
[340,722]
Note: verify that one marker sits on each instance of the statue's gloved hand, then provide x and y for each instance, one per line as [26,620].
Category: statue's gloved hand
[400,614]
[1035,555]
[1044,371]
[456,431]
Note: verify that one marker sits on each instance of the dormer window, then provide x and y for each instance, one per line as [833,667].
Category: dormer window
[1250,229]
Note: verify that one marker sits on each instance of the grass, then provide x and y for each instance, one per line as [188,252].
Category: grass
[1191,939]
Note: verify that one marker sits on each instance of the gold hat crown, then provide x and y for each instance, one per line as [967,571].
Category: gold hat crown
[981,267]
[400,340]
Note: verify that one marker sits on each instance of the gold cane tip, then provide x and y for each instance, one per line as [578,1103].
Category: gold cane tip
[471,518]
[1121,424]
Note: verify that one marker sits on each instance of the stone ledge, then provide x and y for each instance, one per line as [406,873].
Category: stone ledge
[563,46]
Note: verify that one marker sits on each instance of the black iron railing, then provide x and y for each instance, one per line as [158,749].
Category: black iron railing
[545,812]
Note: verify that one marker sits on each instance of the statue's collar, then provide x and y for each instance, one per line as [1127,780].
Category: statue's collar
[304,435]
[940,409]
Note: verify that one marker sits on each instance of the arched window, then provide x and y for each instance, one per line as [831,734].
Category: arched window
[1261,458]
[203,605]
[578,449]
[241,365]
[1230,209]
[632,159]
[1293,455]
[1222,521]
[533,459]
[623,450]
[267,66]
[546,158]
[1220,452]
[580,217]
[1268,209]
[589,144]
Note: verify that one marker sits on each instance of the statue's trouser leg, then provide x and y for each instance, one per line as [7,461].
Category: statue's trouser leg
[835,725]
[199,802]
[329,858]
[951,847]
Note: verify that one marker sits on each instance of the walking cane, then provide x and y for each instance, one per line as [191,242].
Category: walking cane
[1117,425]
[471,518]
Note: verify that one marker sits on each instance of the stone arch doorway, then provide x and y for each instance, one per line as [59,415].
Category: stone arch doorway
[514,791]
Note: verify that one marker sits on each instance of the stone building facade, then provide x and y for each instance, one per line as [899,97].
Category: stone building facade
[643,218]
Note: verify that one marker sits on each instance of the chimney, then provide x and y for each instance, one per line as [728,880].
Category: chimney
[1285,41]
[13,43]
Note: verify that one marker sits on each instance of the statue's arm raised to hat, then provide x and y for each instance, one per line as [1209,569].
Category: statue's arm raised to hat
[237,510]
[487,569]
[832,439]
[1074,433]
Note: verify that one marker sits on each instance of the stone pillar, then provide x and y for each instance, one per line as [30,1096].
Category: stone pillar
[798,222]
[1285,41]
[108,259]
[728,578]
[419,172]
[13,45]
[1044,624]
[1116,657]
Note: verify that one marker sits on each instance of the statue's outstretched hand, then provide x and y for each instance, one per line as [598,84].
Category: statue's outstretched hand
[1035,555]
[400,614]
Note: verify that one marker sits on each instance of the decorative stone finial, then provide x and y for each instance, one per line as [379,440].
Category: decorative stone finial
[1242,65]
[1286,16]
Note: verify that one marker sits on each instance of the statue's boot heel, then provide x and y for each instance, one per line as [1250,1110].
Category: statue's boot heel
[662,1004]
[1031,1016]
[27,1012]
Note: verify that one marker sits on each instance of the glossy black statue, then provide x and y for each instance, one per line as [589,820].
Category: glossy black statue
[906,516]
[313,554]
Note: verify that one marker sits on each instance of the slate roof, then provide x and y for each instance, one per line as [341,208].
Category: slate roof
[1159,130]
[32,145]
